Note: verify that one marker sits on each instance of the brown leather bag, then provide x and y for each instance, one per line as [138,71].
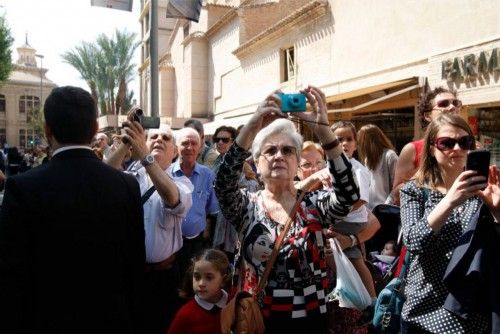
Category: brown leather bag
[242,314]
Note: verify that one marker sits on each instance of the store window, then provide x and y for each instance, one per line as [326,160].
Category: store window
[397,124]
[485,124]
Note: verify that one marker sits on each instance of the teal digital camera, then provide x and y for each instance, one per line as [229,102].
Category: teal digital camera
[293,102]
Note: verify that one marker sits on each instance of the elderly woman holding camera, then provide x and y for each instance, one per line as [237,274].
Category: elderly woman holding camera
[294,297]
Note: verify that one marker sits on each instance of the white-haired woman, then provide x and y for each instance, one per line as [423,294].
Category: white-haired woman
[294,297]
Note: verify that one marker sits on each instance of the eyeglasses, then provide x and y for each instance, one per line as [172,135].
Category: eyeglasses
[286,151]
[443,104]
[317,164]
[448,143]
[155,136]
[225,140]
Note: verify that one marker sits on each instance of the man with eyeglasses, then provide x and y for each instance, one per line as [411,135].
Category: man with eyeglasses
[166,200]
[431,104]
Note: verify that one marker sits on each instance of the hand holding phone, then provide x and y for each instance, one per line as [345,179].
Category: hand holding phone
[479,160]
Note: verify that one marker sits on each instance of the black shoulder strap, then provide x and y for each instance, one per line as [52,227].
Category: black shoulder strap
[148,194]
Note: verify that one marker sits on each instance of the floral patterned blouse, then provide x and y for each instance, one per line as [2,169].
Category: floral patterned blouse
[297,284]
[430,254]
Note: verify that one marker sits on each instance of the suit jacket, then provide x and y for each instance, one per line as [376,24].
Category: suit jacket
[71,248]
[473,274]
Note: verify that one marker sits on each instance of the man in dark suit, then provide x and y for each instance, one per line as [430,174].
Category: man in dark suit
[71,234]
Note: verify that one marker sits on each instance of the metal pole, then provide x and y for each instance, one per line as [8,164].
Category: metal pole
[153,56]
[41,80]
[40,105]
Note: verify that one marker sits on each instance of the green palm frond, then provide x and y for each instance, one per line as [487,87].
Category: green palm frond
[106,66]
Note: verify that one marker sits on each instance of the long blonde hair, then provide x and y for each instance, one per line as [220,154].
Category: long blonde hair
[429,173]
[371,144]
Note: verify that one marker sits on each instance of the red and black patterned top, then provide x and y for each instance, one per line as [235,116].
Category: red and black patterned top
[297,284]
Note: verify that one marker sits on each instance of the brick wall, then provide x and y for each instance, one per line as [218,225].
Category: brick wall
[254,19]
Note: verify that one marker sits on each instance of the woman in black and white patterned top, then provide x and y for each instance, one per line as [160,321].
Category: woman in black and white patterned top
[436,208]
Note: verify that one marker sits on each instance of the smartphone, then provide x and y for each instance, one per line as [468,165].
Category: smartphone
[478,160]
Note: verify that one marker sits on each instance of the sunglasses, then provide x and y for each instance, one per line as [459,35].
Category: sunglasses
[286,151]
[448,143]
[223,139]
[446,103]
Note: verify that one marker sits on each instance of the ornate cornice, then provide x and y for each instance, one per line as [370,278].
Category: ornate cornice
[194,36]
[166,62]
[310,11]
[222,22]
[144,65]
[216,3]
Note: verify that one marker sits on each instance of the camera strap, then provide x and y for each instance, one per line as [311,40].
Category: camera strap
[147,194]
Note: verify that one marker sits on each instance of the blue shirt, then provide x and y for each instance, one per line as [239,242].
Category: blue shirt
[204,199]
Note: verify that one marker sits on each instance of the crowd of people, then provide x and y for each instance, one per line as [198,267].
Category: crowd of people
[153,230]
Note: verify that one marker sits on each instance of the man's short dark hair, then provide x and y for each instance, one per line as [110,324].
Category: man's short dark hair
[425,102]
[71,113]
[195,124]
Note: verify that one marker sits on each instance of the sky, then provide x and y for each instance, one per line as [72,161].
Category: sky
[57,26]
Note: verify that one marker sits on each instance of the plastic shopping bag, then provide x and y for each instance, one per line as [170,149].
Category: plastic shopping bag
[349,290]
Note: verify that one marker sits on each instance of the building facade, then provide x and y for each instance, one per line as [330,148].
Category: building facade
[20,99]
[371,58]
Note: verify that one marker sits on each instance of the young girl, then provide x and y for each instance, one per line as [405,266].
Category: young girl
[208,275]
[357,219]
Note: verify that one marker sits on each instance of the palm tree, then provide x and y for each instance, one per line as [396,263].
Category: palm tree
[106,66]
[125,70]
[83,59]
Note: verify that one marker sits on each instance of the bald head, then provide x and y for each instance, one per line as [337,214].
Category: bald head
[102,139]
[185,133]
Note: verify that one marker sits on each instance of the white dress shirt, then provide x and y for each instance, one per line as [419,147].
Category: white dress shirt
[162,224]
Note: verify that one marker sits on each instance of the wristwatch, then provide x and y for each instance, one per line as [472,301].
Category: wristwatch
[148,160]
[354,240]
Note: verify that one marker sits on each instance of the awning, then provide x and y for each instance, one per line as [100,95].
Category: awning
[402,86]
[210,127]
